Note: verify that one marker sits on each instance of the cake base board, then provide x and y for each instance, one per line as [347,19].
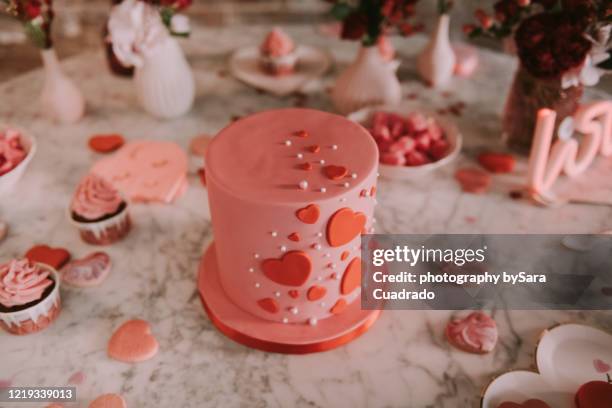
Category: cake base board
[254,332]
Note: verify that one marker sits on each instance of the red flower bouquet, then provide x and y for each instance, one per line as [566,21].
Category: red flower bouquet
[36,16]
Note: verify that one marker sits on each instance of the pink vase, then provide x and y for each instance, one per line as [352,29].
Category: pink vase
[61,100]
[436,63]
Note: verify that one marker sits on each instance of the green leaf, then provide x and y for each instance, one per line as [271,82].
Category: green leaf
[340,11]
[36,34]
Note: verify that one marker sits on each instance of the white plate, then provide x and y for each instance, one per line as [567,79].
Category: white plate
[8,180]
[312,63]
[565,359]
[453,136]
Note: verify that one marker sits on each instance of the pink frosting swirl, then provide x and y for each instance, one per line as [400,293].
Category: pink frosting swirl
[95,197]
[277,44]
[21,282]
[11,150]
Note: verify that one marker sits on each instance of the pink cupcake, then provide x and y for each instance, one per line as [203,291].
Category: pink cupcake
[99,211]
[278,53]
[29,296]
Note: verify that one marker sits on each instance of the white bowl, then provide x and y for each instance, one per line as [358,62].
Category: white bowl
[8,180]
[451,132]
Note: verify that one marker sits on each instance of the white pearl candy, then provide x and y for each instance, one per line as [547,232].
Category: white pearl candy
[285,320]
[300,156]
[274,233]
[287,142]
[303,185]
[257,285]
[312,321]
[334,147]
[251,270]
[294,310]
[283,248]
[323,189]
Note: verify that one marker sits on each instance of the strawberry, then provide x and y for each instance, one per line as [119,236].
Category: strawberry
[439,149]
[393,159]
[416,158]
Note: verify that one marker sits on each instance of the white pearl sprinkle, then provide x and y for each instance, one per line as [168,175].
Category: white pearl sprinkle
[283,248]
[322,161]
[294,310]
[255,255]
[334,147]
[319,234]
[303,185]
[287,142]
[332,265]
[257,285]
[285,320]
[336,276]
[354,175]
[274,233]
[327,255]
[300,156]
[277,294]
[251,270]
[346,184]
[322,189]
[343,199]
[317,247]
[312,321]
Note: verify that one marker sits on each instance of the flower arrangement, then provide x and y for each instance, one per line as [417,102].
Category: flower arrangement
[552,37]
[367,20]
[169,10]
[36,17]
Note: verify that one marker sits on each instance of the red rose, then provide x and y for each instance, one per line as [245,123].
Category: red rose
[506,10]
[33,8]
[354,26]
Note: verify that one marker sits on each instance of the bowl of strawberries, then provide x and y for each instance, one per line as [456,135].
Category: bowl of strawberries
[16,151]
[411,142]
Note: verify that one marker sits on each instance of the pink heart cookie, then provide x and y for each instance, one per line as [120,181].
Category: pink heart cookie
[88,271]
[108,401]
[476,333]
[146,170]
[133,342]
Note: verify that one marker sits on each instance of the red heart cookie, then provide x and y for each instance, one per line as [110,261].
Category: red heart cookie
[338,307]
[316,293]
[334,172]
[133,342]
[108,401]
[497,162]
[476,333]
[308,214]
[531,403]
[293,269]
[294,236]
[54,257]
[594,394]
[106,143]
[344,226]
[294,293]
[314,148]
[89,271]
[344,255]
[473,180]
[269,305]
[304,166]
[352,277]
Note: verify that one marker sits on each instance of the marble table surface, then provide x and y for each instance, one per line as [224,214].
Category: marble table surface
[403,361]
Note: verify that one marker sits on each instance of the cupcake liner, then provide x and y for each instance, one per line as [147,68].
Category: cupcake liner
[107,231]
[280,65]
[36,317]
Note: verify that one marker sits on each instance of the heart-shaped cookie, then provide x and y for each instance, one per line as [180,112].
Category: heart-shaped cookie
[294,236]
[473,180]
[54,257]
[88,271]
[308,214]
[133,342]
[531,403]
[293,269]
[315,293]
[343,226]
[594,394]
[351,279]
[269,305]
[108,401]
[476,333]
[334,172]
[338,307]
[106,143]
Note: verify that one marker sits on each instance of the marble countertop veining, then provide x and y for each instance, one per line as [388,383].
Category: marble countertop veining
[403,361]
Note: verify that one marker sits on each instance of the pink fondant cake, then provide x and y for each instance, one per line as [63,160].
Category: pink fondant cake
[290,192]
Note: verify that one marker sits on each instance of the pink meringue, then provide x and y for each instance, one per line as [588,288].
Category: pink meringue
[277,44]
[95,197]
[11,150]
[22,282]
[476,333]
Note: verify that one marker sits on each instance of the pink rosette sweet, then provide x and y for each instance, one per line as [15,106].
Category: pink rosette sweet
[476,333]
[277,44]
[22,282]
[12,151]
[95,198]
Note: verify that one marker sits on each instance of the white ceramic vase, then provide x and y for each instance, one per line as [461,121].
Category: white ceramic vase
[164,82]
[368,81]
[436,62]
[60,100]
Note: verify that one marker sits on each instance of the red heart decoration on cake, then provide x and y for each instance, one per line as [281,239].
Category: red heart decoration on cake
[54,257]
[344,226]
[531,403]
[269,305]
[293,269]
[344,255]
[294,236]
[106,143]
[338,307]
[352,277]
[314,148]
[594,394]
[316,293]
[334,172]
[294,293]
[133,342]
[308,214]
[304,166]
[108,401]
[202,174]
